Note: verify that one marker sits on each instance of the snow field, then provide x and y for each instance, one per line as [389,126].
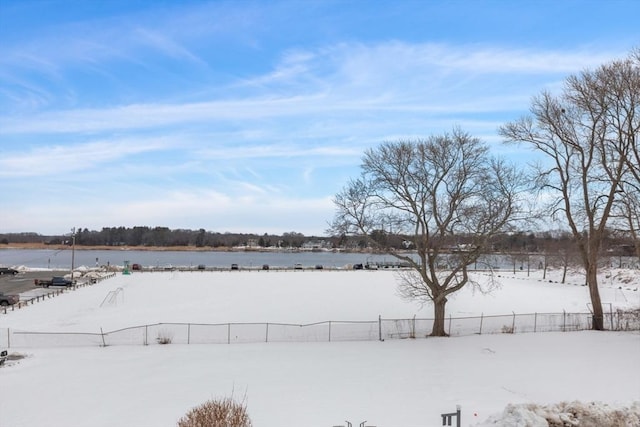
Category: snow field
[397,383]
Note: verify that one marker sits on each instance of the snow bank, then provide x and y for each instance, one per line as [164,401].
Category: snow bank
[593,414]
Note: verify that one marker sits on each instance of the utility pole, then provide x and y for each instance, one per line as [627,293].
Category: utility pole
[73,250]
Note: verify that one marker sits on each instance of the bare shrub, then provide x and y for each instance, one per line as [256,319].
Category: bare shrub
[217,413]
[164,337]
[506,329]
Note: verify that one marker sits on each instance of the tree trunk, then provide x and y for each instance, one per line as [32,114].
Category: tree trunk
[439,317]
[594,293]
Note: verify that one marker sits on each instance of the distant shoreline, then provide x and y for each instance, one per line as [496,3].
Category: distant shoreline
[35,246]
[112,248]
[60,247]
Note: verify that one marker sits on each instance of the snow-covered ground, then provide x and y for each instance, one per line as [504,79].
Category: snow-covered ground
[395,383]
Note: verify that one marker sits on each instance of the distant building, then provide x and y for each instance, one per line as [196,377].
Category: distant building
[316,245]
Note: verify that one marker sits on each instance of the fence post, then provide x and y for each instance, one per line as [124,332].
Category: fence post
[104,344]
[481,319]
[535,322]
[228,333]
[188,333]
[449,325]
[611,313]
[413,327]
[266,335]
[380,327]
[564,321]
[329,330]
[513,323]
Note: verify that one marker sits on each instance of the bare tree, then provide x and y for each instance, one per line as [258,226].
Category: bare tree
[586,135]
[433,192]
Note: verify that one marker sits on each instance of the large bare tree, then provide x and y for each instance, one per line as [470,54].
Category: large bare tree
[586,135]
[434,192]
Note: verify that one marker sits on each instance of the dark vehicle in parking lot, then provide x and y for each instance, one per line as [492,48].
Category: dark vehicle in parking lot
[234,267]
[55,281]
[265,266]
[5,270]
[8,299]
[357,266]
[4,354]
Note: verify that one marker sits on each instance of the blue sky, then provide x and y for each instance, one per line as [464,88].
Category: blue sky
[248,116]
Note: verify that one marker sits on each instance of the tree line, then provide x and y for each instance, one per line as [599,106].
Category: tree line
[143,236]
[556,242]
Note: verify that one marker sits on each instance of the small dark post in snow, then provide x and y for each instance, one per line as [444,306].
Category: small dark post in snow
[447,418]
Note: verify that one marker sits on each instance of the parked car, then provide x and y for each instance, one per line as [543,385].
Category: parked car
[297,266]
[202,267]
[5,270]
[235,267]
[6,299]
[55,281]
[265,266]
[319,266]
[358,266]
[136,267]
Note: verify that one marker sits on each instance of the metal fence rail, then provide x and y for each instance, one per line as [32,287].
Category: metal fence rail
[380,329]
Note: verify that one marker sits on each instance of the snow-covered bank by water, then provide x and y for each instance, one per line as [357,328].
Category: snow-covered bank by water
[396,383]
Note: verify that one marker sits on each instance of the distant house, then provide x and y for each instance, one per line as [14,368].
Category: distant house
[316,245]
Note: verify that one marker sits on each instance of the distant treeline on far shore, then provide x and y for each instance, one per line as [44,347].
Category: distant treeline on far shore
[163,237]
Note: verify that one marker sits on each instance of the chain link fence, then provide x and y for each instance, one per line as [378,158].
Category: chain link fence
[380,329]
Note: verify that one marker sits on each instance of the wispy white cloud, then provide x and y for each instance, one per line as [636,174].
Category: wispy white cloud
[166,45]
[342,80]
[63,159]
[276,150]
[480,59]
